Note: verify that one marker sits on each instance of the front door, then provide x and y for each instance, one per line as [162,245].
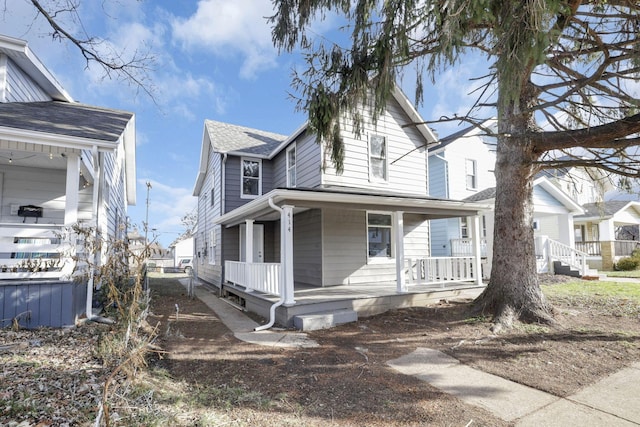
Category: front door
[258,242]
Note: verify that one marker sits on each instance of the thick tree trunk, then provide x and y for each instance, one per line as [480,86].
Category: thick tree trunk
[513,292]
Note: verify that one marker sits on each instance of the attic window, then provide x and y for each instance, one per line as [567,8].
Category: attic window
[251,178]
[291,166]
[377,158]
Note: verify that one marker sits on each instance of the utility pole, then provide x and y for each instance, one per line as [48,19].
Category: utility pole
[146,225]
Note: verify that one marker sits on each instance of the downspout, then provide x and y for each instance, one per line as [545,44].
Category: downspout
[272,310]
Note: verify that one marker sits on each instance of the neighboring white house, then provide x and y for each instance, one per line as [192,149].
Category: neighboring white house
[61,163]
[183,251]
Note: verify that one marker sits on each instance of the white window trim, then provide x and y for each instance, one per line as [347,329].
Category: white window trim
[475,174]
[381,260]
[373,178]
[250,196]
[295,165]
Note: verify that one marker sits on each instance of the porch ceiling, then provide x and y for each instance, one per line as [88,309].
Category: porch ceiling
[303,199]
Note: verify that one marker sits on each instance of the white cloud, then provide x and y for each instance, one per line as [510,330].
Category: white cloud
[229,28]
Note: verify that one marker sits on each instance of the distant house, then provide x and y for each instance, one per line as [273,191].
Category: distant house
[275,225]
[61,163]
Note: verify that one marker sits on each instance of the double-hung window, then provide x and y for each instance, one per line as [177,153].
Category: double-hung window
[251,178]
[471,174]
[377,158]
[379,236]
[291,166]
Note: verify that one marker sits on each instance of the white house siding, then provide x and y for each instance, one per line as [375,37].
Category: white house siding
[114,210]
[307,247]
[545,202]
[438,177]
[20,87]
[548,227]
[628,216]
[416,236]
[456,155]
[308,164]
[406,159]
[39,187]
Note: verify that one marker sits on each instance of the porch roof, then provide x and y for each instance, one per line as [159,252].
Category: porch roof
[86,123]
[612,209]
[310,198]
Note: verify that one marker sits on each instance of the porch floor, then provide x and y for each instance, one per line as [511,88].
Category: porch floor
[366,299]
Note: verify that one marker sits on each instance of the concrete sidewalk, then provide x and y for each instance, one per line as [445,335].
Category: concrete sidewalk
[243,327]
[614,401]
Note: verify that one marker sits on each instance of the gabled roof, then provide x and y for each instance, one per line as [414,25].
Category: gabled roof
[65,119]
[608,209]
[228,138]
[240,140]
[542,182]
[465,132]
[19,52]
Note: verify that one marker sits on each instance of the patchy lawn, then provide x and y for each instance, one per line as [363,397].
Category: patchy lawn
[207,377]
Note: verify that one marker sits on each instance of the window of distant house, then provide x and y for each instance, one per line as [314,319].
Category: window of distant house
[291,166]
[377,158]
[471,174]
[464,228]
[251,178]
[379,235]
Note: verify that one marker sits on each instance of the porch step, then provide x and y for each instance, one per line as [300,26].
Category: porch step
[565,270]
[323,320]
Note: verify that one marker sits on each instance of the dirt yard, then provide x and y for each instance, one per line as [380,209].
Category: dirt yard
[346,382]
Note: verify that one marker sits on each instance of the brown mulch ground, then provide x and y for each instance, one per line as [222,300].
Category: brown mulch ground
[207,377]
[346,382]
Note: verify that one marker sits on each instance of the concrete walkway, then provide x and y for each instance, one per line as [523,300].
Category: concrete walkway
[243,327]
[614,401]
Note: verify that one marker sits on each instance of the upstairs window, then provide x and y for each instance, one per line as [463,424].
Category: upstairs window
[379,235]
[291,166]
[471,174]
[377,158]
[251,178]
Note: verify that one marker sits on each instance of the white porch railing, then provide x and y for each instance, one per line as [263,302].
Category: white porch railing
[34,251]
[263,277]
[550,250]
[464,247]
[440,270]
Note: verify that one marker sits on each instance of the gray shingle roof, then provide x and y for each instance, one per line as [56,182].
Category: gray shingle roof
[604,209]
[226,138]
[65,118]
[486,194]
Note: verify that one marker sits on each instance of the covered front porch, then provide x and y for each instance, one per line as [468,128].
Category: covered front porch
[339,256]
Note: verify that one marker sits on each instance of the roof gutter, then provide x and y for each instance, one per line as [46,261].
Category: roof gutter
[272,310]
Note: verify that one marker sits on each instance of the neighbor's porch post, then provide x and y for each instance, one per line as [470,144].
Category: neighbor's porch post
[606,230]
[286,253]
[72,189]
[401,284]
[474,221]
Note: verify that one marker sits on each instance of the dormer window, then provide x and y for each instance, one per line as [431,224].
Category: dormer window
[291,166]
[377,158]
[251,178]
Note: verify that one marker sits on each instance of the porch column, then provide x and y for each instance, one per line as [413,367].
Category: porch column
[248,241]
[286,253]
[72,189]
[474,222]
[401,284]
[248,253]
[607,233]
[489,220]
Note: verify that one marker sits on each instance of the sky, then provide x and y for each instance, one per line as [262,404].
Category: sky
[213,59]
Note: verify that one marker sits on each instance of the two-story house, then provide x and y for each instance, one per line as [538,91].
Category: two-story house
[61,163]
[276,219]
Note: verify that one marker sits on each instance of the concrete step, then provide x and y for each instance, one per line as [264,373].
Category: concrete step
[323,320]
